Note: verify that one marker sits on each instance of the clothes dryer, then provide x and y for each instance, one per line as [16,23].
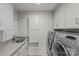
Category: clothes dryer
[66,44]
[50,41]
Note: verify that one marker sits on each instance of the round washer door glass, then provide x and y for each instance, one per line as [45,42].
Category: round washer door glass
[59,49]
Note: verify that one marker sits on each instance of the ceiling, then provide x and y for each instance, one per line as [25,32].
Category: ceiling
[34,6]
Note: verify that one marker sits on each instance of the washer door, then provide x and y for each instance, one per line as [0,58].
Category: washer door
[59,49]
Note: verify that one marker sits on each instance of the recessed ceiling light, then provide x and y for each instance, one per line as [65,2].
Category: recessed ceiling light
[38,3]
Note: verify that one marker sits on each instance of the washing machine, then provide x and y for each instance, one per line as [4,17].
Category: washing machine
[66,44]
[50,40]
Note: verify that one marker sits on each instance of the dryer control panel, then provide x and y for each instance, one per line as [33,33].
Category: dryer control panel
[70,38]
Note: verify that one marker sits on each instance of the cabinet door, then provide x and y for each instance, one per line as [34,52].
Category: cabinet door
[67,16]
[24,50]
[59,17]
[69,21]
[8,34]
[76,15]
[17,53]
[72,12]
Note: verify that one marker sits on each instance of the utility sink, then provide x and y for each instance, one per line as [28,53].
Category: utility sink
[18,39]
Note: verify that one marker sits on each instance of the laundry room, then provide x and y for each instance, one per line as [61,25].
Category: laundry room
[39,29]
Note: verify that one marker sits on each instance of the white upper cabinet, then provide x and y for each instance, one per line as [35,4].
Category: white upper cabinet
[67,16]
[59,17]
[72,16]
[6,16]
[6,21]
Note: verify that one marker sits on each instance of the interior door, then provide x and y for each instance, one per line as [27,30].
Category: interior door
[33,28]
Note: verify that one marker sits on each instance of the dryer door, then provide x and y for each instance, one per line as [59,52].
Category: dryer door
[59,49]
[50,40]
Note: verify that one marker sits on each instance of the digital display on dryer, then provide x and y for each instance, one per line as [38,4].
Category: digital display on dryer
[71,37]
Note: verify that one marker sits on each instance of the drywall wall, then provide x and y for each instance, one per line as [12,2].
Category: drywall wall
[45,25]
[23,25]
[15,22]
[39,25]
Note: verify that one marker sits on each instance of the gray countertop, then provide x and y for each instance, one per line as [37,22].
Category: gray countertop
[8,48]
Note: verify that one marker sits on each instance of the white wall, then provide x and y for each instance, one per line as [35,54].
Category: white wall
[15,21]
[44,25]
[23,25]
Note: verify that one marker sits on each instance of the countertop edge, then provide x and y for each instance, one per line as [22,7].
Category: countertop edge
[26,41]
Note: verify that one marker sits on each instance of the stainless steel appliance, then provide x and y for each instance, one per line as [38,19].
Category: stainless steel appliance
[66,44]
[50,41]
